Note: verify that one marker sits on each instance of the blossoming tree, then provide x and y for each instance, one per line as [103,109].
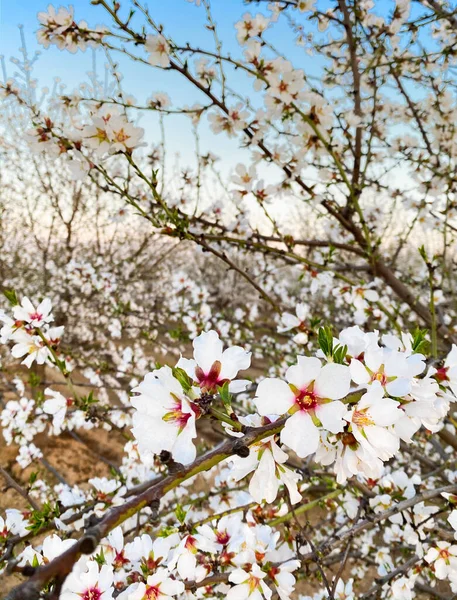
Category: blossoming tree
[274,351]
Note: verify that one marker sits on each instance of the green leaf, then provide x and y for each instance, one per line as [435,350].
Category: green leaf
[41,518]
[183,378]
[100,558]
[339,354]
[35,562]
[325,340]
[423,253]
[180,514]
[226,396]
[11,297]
[420,343]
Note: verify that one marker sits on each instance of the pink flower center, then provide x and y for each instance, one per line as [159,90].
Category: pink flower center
[441,374]
[35,316]
[190,544]
[150,563]
[209,381]
[305,399]
[222,537]
[381,377]
[120,560]
[92,593]
[152,592]
[444,554]
[177,415]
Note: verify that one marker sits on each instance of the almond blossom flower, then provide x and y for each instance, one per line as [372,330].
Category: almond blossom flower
[244,177]
[360,298]
[285,87]
[52,547]
[59,28]
[357,340]
[250,26]
[54,24]
[297,321]
[108,491]
[13,524]
[392,369]
[205,71]
[34,317]
[164,418]
[290,321]
[212,366]
[159,586]
[223,535]
[27,454]
[423,406]
[57,407]
[254,544]
[143,551]
[158,49]
[87,582]
[230,123]
[349,456]
[305,5]
[267,460]
[32,347]
[113,549]
[283,579]
[111,132]
[123,135]
[185,555]
[249,585]
[344,591]
[452,520]
[370,418]
[307,396]
[443,557]
[447,374]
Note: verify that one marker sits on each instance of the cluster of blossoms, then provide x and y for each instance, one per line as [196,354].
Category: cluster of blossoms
[350,406]
[352,413]
[158,50]
[30,332]
[111,132]
[161,568]
[59,28]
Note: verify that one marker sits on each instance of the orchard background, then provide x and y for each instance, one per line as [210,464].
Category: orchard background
[229,325]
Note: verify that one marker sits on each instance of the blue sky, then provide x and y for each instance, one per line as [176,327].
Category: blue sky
[181,19]
[184,22]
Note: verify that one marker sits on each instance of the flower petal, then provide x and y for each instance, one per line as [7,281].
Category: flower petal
[304,372]
[300,434]
[334,381]
[331,415]
[207,349]
[273,397]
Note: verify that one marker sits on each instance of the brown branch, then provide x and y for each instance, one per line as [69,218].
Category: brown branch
[12,483]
